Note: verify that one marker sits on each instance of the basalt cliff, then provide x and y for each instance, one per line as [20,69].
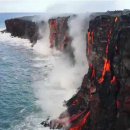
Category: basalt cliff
[103,100]
[24,27]
[27,27]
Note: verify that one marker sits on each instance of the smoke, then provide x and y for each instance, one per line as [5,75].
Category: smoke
[63,77]
[78,28]
[42,46]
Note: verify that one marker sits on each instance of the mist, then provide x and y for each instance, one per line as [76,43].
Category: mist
[63,76]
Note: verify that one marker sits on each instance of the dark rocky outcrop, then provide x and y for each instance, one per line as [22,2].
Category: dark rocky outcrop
[24,27]
[103,100]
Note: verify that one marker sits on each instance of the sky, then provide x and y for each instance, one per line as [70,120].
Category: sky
[62,6]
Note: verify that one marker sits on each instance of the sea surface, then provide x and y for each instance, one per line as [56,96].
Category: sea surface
[20,67]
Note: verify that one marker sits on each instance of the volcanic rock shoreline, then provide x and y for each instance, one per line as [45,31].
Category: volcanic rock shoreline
[24,27]
[27,27]
[103,100]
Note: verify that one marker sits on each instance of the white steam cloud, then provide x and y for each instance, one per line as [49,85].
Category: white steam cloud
[63,77]
[78,28]
[42,46]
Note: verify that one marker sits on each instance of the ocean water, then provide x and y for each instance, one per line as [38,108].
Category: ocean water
[18,70]
[34,82]
[16,96]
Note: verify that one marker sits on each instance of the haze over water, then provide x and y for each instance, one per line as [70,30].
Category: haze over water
[19,68]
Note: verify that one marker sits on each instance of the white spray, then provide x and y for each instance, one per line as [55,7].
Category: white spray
[63,77]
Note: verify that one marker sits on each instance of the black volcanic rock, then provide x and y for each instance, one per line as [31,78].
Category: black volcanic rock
[59,35]
[103,100]
[24,27]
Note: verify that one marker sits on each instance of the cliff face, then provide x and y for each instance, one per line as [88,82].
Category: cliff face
[24,27]
[103,100]
[59,35]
